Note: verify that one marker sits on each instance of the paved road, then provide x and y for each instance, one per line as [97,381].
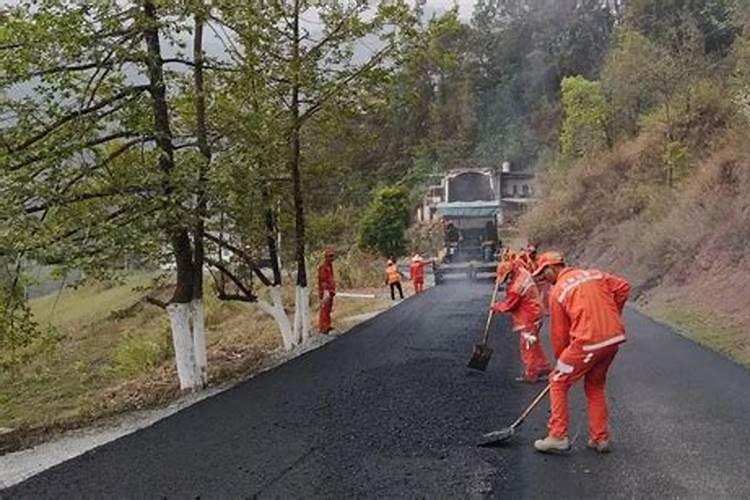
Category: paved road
[390,410]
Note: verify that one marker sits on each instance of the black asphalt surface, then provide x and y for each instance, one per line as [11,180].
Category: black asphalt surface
[389,410]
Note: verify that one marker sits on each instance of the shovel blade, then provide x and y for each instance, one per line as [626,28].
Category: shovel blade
[496,438]
[480,358]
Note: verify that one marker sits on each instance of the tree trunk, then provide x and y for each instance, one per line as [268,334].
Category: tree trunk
[181,308]
[301,313]
[199,334]
[276,310]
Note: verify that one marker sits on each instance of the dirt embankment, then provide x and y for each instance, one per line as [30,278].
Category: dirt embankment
[685,247]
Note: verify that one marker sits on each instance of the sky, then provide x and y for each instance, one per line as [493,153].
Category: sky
[464,6]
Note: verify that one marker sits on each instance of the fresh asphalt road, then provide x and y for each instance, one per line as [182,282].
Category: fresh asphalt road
[390,410]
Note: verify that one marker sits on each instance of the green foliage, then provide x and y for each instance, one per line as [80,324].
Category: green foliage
[585,125]
[384,225]
[135,355]
[673,23]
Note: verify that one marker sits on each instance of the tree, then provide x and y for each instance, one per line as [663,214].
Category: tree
[100,155]
[303,63]
[670,22]
[586,124]
[385,222]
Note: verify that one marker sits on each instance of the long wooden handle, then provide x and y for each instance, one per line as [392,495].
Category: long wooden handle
[531,407]
[486,336]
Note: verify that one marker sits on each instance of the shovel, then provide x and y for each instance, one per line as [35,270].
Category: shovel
[480,358]
[497,437]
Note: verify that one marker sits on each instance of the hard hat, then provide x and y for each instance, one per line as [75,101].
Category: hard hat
[548,259]
[416,258]
[531,249]
[390,262]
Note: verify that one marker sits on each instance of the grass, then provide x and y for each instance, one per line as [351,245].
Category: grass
[88,303]
[112,353]
[705,329]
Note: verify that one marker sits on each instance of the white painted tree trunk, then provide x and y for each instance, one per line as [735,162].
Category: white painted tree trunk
[199,341]
[302,313]
[277,312]
[188,339]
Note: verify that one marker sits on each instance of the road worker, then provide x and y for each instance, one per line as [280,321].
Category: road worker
[416,273]
[528,263]
[326,291]
[531,252]
[393,279]
[542,284]
[522,302]
[586,331]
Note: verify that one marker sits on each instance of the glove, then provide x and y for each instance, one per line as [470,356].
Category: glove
[530,339]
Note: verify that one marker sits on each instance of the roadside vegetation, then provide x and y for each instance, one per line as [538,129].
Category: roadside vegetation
[106,350]
[230,142]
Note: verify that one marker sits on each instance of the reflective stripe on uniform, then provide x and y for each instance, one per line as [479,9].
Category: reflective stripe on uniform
[563,367]
[573,283]
[606,343]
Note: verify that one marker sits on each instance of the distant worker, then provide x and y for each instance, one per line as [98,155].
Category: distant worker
[541,283]
[586,331]
[326,291]
[531,252]
[416,273]
[526,260]
[393,279]
[522,302]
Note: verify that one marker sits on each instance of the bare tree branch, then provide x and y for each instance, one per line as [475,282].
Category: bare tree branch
[248,294]
[135,90]
[249,261]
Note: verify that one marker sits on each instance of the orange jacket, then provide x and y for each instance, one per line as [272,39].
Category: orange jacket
[522,301]
[326,280]
[586,309]
[392,274]
[416,271]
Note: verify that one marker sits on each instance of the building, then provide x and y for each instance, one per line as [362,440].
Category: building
[503,192]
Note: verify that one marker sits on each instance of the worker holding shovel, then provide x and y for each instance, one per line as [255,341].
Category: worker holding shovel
[522,302]
[586,330]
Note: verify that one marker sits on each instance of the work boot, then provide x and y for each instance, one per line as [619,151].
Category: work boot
[551,444]
[599,446]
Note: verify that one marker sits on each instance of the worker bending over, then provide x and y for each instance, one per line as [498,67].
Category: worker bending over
[522,302]
[586,331]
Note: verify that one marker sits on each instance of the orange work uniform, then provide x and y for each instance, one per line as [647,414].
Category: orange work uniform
[416,274]
[586,330]
[522,302]
[326,283]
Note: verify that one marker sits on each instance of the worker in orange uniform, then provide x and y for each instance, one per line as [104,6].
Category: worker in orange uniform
[522,302]
[326,290]
[416,273]
[542,284]
[393,279]
[586,331]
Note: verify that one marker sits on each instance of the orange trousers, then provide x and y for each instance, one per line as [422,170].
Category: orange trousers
[575,363]
[533,359]
[418,286]
[324,316]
